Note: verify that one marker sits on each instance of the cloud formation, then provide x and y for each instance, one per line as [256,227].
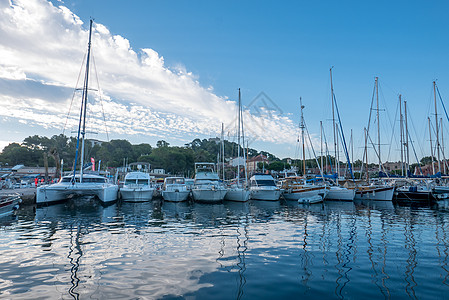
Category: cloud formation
[41,52]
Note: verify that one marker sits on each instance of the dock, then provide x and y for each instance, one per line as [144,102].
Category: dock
[28,195]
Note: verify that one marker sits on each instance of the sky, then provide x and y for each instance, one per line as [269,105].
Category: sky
[171,70]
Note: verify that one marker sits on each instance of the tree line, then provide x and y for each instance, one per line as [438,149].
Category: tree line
[39,151]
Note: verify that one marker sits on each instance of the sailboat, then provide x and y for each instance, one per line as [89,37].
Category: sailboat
[237,191]
[296,188]
[79,184]
[337,192]
[377,190]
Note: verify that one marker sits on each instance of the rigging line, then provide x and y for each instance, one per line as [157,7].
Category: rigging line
[410,119]
[74,92]
[313,150]
[377,154]
[414,152]
[365,151]
[327,151]
[101,100]
[392,133]
[385,104]
[343,138]
[442,103]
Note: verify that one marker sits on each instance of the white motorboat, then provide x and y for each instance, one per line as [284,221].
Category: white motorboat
[263,187]
[9,204]
[175,189]
[207,187]
[137,187]
[79,184]
[91,185]
[295,189]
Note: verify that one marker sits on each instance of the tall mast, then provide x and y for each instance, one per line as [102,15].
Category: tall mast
[366,155]
[245,154]
[321,143]
[401,133]
[302,126]
[436,127]
[222,151]
[333,123]
[82,128]
[442,146]
[378,124]
[431,147]
[407,153]
[352,149]
[238,141]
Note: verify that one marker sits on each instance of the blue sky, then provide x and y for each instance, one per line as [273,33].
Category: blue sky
[282,49]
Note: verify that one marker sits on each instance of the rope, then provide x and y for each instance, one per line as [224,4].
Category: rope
[74,92]
[101,100]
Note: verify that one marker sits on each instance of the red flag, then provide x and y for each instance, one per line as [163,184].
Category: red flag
[92,160]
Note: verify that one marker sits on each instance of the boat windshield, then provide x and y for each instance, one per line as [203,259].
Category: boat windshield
[143,181]
[265,183]
[94,180]
[175,181]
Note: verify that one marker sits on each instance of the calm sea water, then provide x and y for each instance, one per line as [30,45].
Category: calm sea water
[254,250]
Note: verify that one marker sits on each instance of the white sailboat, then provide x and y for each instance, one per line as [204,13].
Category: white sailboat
[295,188]
[238,191]
[336,191]
[79,184]
[207,187]
[378,191]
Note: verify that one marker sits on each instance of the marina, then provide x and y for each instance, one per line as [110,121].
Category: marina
[165,183]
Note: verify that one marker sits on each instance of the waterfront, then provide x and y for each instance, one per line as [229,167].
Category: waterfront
[254,250]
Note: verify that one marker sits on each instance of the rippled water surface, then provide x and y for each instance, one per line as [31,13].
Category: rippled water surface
[254,250]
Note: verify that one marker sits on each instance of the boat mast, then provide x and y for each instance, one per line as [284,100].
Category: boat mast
[352,149]
[436,127]
[401,133]
[321,143]
[378,124]
[333,125]
[302,126]
[431,147]
[222,151]
[407,153]
[442,146]
[366,155]
[82,130]
[238,142]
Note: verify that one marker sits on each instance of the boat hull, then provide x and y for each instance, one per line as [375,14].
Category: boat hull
[339,193]
[175,196]
[377,194]
[136,194]
[313,195]
[56,192]
[265,195]
[237,194]
[9,204]
[209,195]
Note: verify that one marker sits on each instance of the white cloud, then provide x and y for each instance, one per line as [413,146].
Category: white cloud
[44,45]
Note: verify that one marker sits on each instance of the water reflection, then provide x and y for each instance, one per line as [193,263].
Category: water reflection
[232,250]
